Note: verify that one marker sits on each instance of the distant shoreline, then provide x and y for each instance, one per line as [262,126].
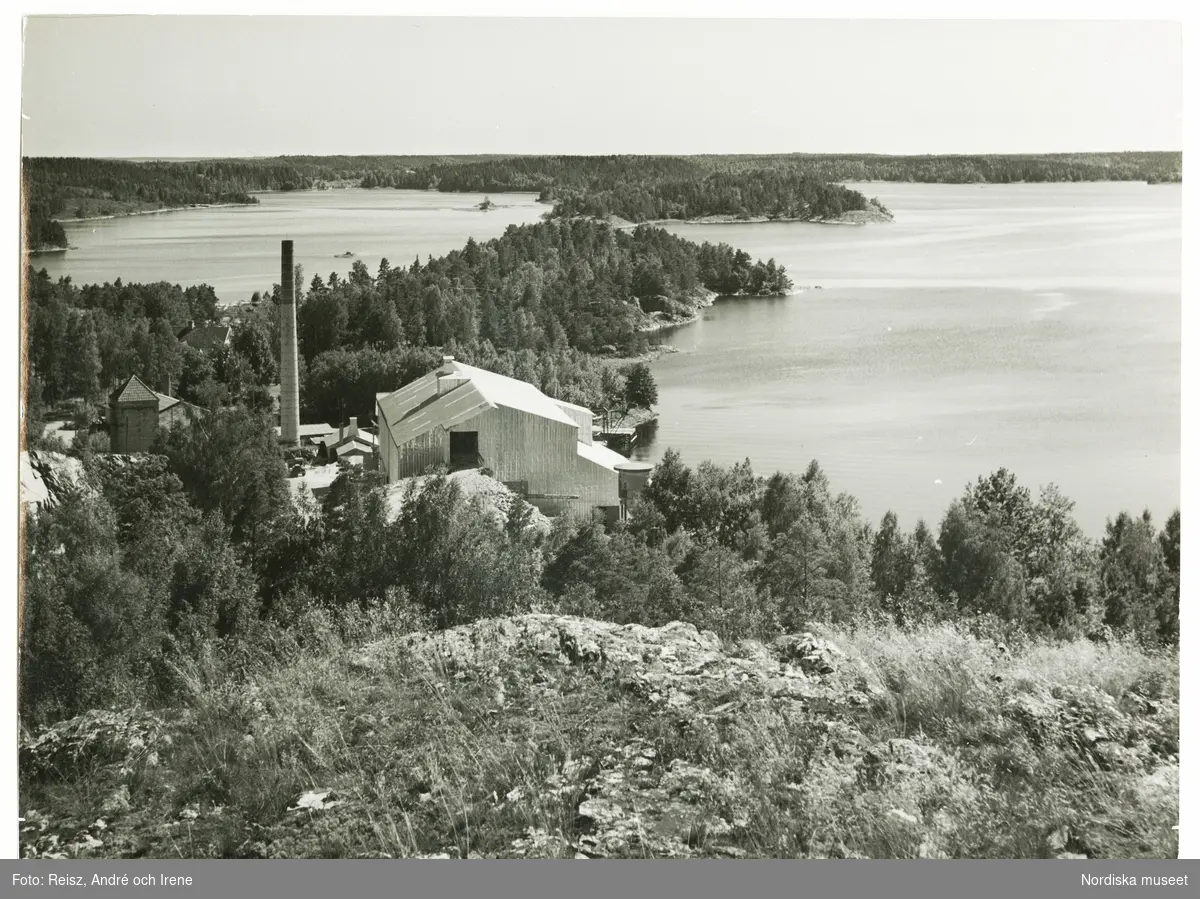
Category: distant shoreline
[705,300]
[120,215]
[853,217]
[655,352]
[848,181]
[699,303]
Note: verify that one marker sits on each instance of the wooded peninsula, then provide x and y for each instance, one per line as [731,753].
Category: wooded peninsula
[537,303]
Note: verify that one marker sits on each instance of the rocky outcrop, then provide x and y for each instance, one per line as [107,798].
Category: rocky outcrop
[553,736]
[671,313]
[97,738]
[631,801]
[47,477]
[874,212]
[495,499]
[676,665]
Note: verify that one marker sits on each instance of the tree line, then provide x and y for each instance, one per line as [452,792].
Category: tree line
[198,550]
[539,303]
[64,188]
[594,174]
[549,285]
[770,193]
[638,188]
[785,549]
[975,169]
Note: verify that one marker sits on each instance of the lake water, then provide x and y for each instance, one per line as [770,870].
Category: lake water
[1035,327]
[236,248]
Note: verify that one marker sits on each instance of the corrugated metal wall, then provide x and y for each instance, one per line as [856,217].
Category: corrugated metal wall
[599,486]
[417,456]
[515,446]
[519,446]
[581,417]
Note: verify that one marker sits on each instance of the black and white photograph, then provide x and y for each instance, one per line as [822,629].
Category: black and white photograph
[518,437]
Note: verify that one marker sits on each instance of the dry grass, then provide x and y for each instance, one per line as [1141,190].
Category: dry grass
[967,751]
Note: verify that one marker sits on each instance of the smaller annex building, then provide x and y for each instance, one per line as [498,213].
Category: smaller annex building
[135,413]
[464,417]
[350,445]
[311,435]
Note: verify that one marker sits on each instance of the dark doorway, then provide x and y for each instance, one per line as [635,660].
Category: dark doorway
[464,449]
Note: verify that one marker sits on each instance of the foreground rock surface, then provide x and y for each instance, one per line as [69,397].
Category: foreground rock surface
[46,477]
[632,801]
[552,736]
[676,665]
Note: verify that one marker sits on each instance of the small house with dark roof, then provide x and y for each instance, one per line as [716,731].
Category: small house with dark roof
[135,413]
[205,337]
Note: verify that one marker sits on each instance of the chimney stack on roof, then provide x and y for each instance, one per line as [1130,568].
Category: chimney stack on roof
[352,431]
[447,381]
[289,378]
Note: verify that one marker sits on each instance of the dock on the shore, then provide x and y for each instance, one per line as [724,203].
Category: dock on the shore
[621,440]
[619,431]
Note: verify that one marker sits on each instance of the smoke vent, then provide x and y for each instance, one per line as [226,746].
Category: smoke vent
[289,378]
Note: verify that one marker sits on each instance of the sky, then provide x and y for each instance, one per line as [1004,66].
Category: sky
[205,87]
[201,86]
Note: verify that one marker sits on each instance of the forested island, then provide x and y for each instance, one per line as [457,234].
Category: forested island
[635,188]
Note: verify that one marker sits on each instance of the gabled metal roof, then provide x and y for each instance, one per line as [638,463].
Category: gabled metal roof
[416,409]
[502,391]
[319,430]
[351,445]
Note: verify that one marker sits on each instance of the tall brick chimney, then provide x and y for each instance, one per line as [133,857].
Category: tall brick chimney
[289,377]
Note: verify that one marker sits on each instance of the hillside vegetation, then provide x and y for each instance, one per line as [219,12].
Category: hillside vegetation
[544,736]
[747,669]
[538,303]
